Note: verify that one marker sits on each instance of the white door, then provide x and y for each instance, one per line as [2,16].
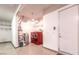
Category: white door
[68,30]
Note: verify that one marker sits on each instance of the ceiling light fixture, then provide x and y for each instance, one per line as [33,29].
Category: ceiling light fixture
[32,17]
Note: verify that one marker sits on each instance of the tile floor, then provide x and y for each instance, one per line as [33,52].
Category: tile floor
[31,49]
[7,49]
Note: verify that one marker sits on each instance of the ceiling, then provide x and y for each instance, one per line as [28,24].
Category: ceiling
[30,11]
[7,11]
[37,11]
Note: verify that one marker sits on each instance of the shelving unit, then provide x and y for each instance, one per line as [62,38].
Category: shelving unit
[21,36]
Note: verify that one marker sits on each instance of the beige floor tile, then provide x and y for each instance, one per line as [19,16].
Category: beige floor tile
[7,49]
[31,49]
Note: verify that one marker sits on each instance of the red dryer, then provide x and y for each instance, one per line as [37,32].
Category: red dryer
[36,37]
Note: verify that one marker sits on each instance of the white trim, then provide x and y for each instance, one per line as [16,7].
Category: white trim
[18,9]
[67,6]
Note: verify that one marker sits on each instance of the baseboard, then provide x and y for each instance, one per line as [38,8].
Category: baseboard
[6,42]
[53,51]
[13,45]
[64,53]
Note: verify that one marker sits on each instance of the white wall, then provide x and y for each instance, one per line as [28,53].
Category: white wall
[15,32]
[5,35]
[15,28]
[5,31]
[31,26]
[27,27]
[50,36]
